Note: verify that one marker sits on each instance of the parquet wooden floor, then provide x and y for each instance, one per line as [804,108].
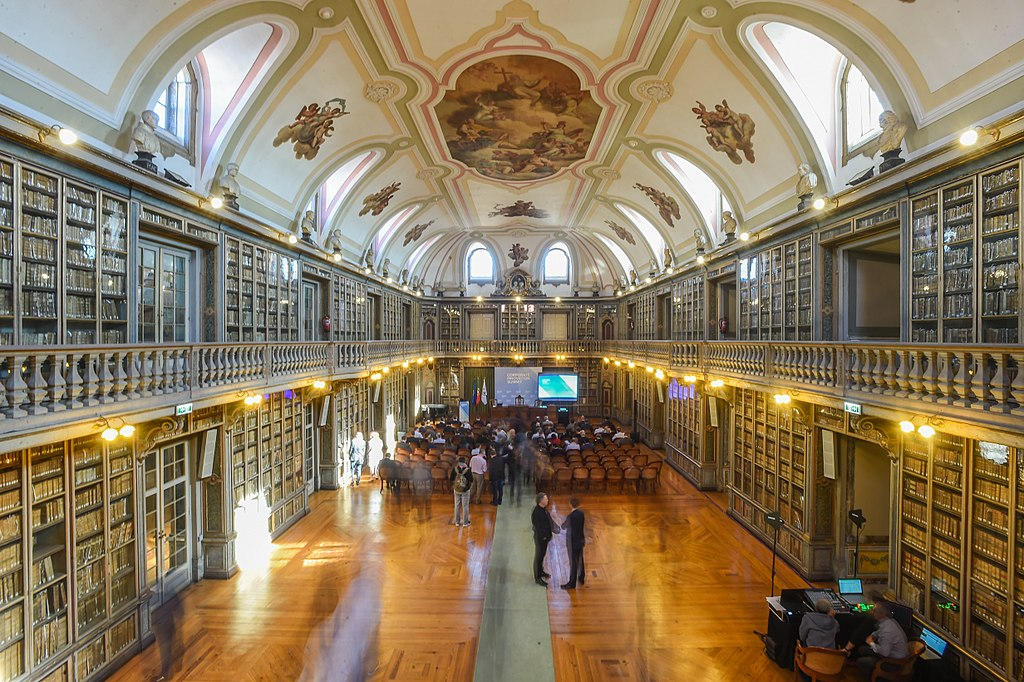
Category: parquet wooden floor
[674,592]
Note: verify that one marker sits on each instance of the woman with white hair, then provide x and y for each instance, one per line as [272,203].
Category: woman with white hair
[374,452]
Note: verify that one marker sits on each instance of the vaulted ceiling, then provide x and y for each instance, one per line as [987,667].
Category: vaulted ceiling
[499,121]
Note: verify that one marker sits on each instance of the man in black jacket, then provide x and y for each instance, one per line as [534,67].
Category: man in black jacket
[543,529]
[574,542]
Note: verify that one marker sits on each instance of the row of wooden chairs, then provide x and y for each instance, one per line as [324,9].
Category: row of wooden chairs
[574,479]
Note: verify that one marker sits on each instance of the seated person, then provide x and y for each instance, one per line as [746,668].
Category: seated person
[619,435]
[572,445]
[887,641]
[600,430]
[439,440]
[820,627]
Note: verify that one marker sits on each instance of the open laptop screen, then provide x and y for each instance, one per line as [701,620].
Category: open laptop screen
[933,641]
[850,586]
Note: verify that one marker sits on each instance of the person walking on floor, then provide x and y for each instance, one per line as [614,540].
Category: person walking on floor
[543,529]
[374,451]
[478,466]
[574,542]
[356,455]
[496,468]
[462,483]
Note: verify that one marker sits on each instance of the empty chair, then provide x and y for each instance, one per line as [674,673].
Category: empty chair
[648,478]
[440,478]
[821,665]
[613,475]
[580,475]
[631,477]
[562,477]
[597,477]
[640,460]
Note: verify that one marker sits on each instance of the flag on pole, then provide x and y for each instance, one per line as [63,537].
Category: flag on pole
[475,399]
[483,395]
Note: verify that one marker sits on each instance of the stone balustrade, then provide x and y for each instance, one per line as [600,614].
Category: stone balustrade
[57,385]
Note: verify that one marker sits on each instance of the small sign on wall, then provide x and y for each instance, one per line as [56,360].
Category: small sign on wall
[828,454]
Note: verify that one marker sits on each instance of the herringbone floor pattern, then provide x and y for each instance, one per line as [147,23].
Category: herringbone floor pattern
[674,590]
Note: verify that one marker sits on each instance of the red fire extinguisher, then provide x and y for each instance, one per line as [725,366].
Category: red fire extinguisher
[326,322]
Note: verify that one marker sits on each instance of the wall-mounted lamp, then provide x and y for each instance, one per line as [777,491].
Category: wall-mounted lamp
[659,374]
[319,384]
[821,203]
[970,137]
[716,383]
[67,136]
[783,399]
[110,432]
[336,255]
[744,236]
[376,376]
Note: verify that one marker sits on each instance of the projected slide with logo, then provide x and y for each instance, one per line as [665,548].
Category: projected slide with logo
[551,387]
[511,383]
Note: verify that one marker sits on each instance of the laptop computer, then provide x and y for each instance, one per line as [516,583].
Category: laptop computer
[936,645]
[851,590]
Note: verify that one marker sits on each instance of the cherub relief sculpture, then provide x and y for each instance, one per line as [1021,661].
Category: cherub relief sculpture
[621,232]
[375,203]
[312,125]
[728,132]
[519,254]
[415,232]
[668,208]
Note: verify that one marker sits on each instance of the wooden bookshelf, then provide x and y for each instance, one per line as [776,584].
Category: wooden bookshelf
[774,291]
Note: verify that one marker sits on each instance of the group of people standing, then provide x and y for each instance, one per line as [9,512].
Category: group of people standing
[545,527]
[361,451]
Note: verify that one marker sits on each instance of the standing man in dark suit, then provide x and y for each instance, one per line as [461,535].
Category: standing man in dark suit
[574,542]
[496,469]
[543,529]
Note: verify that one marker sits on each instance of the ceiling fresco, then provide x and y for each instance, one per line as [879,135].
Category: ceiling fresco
[422,125]
[518,117]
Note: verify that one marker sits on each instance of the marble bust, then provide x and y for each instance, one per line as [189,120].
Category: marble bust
[145,142]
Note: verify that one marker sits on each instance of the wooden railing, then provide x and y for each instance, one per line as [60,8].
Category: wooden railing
[51,386]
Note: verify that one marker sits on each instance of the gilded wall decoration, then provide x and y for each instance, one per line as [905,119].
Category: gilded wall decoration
[313,124]
[728,132]
[668,208]
[621,232]
[375,203]
[416,232]
[518,117]
[518,209]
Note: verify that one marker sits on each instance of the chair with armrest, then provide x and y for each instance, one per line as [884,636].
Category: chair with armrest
[899,669]
[820,664]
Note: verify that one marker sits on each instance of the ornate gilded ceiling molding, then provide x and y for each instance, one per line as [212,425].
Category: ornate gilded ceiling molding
[383,90]
[653,90]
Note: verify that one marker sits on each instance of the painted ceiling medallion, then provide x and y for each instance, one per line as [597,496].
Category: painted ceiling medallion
[728,132]
[312,125]
[518,117]
[708,12]
[381,91]
[668,208]
[519,254]
[416,232]
[375,203]
[654,90]
[621,232]
[518,208]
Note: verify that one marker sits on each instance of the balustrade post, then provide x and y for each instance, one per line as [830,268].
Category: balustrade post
[120,377]
[1015,396]
[36,385]
[17,389]
[74,382]
[57,384]
[92,379]
[159,379]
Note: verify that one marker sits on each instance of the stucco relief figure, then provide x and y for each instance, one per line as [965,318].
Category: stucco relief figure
[805,184]
[145,142]
[728,132]
[668,208]
[228,184]
[312,125]
[729,226]
[415,232]
[519,254]
[668,257]
[621,232]
[375,203]
[518,208]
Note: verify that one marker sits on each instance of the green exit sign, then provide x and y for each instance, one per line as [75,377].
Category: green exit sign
[852,408]
[180,410]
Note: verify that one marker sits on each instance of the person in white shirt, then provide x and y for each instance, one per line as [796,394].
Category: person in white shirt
[374,452]
[619,435]
[600,431]
[439,440]
[417,433]
[572,445]
[478,466]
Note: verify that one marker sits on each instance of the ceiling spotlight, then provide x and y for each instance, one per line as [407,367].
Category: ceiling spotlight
[744,236]
[336,255]
[907,426]
[292,239]
[716,383]
[926,430]
[216,202]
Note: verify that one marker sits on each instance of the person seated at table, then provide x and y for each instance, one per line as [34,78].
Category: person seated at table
[820,627]
[887,641]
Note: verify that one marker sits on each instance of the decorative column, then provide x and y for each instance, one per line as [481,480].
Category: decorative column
[219,557]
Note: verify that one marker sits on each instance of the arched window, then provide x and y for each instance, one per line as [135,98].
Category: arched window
[556,265]
[861,108]
[650,233]
[834,98]
[479,264]
[175,107]
[706,195]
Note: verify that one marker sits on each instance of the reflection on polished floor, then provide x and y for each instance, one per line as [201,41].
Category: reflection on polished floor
[674,591]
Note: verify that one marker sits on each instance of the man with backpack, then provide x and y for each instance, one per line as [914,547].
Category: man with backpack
[462,483]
